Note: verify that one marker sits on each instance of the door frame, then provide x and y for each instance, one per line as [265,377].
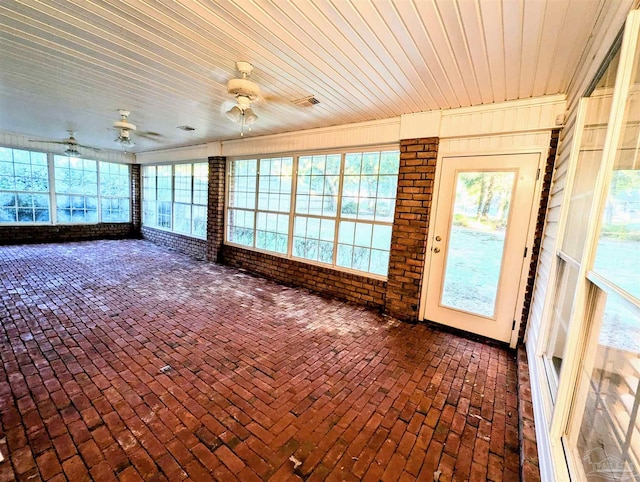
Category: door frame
[535,207]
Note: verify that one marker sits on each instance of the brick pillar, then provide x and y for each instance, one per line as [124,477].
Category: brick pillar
[215,211]
[409,236]
[540,223]
[136,199]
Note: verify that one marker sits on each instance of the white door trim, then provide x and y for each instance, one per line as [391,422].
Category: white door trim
[542,159]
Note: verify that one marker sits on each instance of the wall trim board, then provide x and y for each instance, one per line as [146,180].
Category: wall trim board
[376,132]
[188,153]
[540,113]
[519,116]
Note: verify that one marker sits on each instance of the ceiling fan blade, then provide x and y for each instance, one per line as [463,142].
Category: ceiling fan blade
[88,147]
[153,136]
[48,142]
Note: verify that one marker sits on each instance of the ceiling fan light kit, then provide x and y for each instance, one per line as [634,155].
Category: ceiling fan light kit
[234,113]
[72,151]
[124,138]
[245,91]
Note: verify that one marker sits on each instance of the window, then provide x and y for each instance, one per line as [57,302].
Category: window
[591,343]
[175,197]
[606,423]
[242,202]
[597,108]
[149,196]
[265,226]
[316,207]
[368,204]
[76,182]
[84,190]
[24,187]
[115,203]
[343,206]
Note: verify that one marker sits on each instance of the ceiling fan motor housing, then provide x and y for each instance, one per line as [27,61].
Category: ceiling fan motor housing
[243,87]
[124,125]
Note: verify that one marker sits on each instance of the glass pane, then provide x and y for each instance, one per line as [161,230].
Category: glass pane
[566,282]
[182,218]
[317,188]
[114,210]
[476,241]
[164,214]
[149,213]
[597,110]
[242,184]
[114,179]
[182,184]
[618,252]
[313,238]
[609,439]
[241,226]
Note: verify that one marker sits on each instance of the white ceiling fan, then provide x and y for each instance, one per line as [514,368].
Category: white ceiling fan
[245,92]
[71,143]
[124,127]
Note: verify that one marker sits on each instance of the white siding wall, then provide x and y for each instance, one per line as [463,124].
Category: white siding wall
[610,23]
[604,33]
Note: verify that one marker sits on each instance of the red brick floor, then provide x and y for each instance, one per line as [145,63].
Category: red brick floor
[260,374]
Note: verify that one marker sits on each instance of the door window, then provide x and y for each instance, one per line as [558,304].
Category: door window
[476,241]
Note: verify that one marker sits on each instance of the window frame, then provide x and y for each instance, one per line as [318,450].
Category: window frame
[52,193]
[101,196]
[49,193]
[71,193]
[173,202]
[557,429]
[296,155]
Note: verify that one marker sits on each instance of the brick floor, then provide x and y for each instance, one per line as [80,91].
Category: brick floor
[261,376]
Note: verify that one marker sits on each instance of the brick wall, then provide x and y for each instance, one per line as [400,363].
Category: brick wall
[215,214]
[409,236]
[136,198]
[62,233]
[195,247]
[327,281]
[540,223]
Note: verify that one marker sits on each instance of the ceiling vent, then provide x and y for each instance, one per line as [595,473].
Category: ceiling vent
[307,101]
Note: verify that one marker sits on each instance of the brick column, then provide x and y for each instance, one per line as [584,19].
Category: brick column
[409,236]
[540,224]
[136,199]
[215,211]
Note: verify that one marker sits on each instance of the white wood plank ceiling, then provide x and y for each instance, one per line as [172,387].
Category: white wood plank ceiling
[70,64]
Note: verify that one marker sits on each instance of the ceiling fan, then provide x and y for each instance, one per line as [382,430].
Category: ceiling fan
[245,92]
[71,143]
[124,127]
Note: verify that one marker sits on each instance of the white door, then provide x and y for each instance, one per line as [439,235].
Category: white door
[477,238]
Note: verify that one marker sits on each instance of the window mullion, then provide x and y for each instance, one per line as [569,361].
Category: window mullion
[338,210]
[255,206]
[53,210]
[292,203]
[98,192]
[193,177]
